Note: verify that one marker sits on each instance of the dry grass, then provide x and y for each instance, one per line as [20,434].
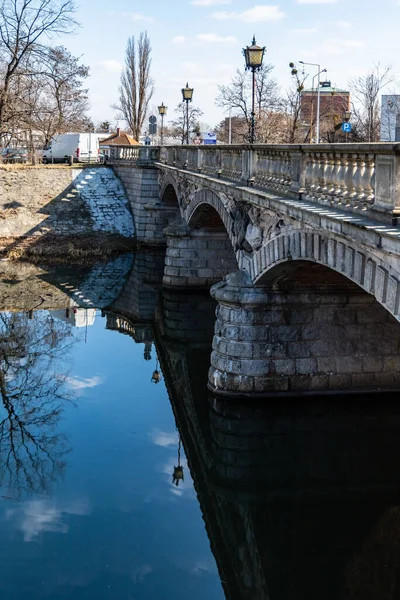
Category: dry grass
[28,167]
[65,249]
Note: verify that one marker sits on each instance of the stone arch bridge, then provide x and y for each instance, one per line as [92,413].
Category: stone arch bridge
[301,246]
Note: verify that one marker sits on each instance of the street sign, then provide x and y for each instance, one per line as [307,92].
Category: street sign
[152,119]
[210,138]
[347,127]
[152,129]
[147,141]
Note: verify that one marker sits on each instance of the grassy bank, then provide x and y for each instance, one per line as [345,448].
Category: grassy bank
[67,249]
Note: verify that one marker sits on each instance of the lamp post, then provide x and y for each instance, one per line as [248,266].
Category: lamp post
[162,111]
[318,91]
[254,57]
[187,95]
[312,104]
[346,119]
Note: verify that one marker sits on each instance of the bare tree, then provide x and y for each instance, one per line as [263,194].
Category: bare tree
[24,27]
[293,130]
[179,126]
[237,97]
[365,91]
[32,395]
[137,86]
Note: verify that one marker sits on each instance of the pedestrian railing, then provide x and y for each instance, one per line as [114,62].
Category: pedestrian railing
[355,177]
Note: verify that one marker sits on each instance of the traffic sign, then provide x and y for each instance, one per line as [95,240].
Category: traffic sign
[152,119]
[210,138]
[347,127]
[152,129]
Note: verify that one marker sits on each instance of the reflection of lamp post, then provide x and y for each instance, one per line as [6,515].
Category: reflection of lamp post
[156,377]
[318,93]
[147,350]
[187,95]
[162,110]
[254,57]
[177,475]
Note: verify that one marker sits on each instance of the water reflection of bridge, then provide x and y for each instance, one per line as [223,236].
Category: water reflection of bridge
[300,498]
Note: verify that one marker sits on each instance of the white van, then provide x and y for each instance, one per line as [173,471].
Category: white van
[83,147]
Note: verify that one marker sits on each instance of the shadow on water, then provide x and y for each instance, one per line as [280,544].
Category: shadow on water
[300,498]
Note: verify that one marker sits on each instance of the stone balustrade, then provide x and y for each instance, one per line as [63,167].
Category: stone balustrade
[353,177]
[134,154]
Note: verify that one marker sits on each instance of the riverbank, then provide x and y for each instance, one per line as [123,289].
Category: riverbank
[63,213]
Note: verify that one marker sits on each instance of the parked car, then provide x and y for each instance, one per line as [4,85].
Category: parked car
[83,147]
[14,155]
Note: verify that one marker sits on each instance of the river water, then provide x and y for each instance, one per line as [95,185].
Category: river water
[122,478]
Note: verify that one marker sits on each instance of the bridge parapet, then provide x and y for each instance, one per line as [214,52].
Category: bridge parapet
[358,178]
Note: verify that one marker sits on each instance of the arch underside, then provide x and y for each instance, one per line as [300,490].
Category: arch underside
[356,264]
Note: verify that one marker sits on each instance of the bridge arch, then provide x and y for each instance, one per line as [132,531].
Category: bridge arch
[200,247]
[169,192]
[365,268]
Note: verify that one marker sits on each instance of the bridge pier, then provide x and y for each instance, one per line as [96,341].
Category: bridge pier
[196,257]
[273,342]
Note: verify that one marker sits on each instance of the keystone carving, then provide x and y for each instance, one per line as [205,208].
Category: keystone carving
[186,191]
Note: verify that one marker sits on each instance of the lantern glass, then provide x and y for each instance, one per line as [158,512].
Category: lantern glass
[347,115]
[187,93]
[254,55]
[162,110]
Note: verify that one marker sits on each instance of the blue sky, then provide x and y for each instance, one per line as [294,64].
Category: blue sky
[200,41]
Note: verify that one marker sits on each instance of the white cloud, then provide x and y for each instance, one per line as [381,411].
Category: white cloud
[209,2]
[110,65]
[80,383]
[179,39]
[317,1]
[258,14]
[164,439]
[36,516]
[214,38]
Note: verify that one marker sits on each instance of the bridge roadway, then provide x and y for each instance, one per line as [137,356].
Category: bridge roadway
[301,246]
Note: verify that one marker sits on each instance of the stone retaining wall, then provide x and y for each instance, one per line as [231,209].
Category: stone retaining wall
[150,215]
[63,202]
[196,258]
[273,342]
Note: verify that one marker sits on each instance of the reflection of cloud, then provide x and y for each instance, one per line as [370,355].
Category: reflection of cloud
[162,438]
[36,516]
[82,383]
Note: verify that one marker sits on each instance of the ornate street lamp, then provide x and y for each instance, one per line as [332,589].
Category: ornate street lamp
[254,57]
[156,377]
[346,116]
[177,475]
[187,95]
[162,111]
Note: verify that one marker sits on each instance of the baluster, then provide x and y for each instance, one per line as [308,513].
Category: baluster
[309,173]
[330,178]
[368,179]
[358,183]
[319,175]
[314,176]
[337,162]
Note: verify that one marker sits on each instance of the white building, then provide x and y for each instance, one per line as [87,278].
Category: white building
[390,118]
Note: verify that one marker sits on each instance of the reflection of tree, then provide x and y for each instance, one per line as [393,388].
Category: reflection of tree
[32,395]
